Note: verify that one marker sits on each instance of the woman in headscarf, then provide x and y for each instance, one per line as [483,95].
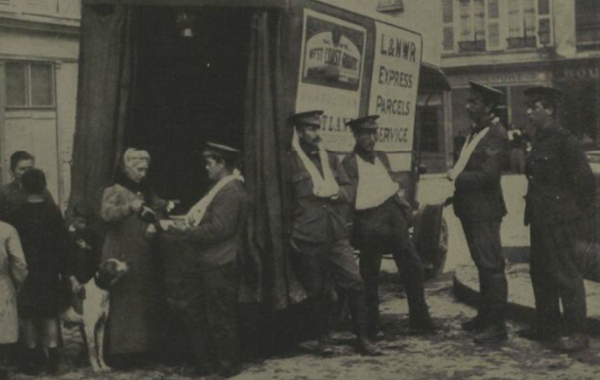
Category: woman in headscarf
[133,301]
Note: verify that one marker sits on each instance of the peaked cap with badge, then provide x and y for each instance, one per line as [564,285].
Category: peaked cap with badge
[489,94]
[363,124]
[307,118]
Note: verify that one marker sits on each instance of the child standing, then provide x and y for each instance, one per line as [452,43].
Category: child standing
[13,271]
[45,244]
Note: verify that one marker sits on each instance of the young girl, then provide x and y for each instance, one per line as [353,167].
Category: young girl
[45,243]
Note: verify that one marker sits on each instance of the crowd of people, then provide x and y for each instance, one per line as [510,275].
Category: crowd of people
[44,263]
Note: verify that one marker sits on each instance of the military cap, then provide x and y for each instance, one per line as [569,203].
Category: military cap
[219,150]
[312,118]
[367,123]
[543,93]
[489,94]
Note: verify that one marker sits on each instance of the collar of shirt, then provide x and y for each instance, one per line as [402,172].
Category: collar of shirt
[310,150]
[478,127]
[365,155]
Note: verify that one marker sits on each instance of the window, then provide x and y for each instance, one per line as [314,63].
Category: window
[447,11]
[429,128]
[448,38]
[29,84]
[485,25]
[587,20]
[448,19]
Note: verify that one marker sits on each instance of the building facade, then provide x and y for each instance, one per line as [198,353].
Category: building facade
[39,49]
[515,44]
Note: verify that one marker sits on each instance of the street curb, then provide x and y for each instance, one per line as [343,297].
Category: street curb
[466,290]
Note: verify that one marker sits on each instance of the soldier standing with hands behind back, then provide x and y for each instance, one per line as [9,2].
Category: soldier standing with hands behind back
[479,204]
[561,189]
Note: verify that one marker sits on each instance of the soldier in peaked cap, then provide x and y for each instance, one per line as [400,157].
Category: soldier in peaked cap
[204,291]
[381,220]
[561,190]
[319,231]
[479,204]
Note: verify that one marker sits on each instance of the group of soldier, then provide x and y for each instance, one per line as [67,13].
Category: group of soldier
[560,195]
[561,189]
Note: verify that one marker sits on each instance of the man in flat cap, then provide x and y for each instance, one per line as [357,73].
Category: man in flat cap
[381,221]
[479,204]
[561,190]
[205,293]
[319,231]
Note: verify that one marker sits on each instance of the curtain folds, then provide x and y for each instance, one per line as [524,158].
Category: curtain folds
[105,70]
[265,139]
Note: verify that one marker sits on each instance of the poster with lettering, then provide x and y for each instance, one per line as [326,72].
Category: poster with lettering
[394,86]
[331,70]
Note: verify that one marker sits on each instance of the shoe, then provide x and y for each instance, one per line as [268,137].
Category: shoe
[52,365]
[32,365]
[537,335]
[365,347]
[475,324]
[572,343]
[424,326]
[492,334]
[324,348]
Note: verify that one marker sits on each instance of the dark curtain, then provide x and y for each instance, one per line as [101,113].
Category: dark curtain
[266,138]
[102,100]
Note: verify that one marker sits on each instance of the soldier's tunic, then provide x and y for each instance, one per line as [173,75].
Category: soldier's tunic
[561,189]
[203,277]
[479,204]
[319,232]
[384,229]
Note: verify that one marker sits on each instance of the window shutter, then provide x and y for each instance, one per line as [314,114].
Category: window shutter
[448,38]
[494,35]
[447,11]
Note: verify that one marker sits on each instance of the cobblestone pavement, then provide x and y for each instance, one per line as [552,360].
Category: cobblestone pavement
[448,355]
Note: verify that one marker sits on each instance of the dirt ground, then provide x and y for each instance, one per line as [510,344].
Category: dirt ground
[447,355]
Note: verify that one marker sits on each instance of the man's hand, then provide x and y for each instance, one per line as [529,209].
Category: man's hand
[150,231]
[451,175]
[136,205]
[75,285]
[82,244]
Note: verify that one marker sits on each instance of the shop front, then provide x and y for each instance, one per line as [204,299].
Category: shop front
[579,79]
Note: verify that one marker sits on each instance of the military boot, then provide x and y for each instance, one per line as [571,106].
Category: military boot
[365,347]
[572,343]
[492,334]
[475,324]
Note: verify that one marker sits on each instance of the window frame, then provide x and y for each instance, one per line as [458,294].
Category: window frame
[29,87]
[502,22]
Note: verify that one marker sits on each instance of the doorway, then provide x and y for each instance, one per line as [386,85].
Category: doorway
[187,90]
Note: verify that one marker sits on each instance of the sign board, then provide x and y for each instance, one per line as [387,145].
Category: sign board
[331,71]
[394,86]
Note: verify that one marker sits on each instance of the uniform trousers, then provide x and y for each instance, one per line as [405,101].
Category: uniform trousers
[483,239]
[319,265]
[206,301]
[381,230]
[556,277]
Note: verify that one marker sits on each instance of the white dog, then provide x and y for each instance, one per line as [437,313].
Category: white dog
[95,309]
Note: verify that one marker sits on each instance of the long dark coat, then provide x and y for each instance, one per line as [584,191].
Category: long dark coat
[133,299]
[478,193]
